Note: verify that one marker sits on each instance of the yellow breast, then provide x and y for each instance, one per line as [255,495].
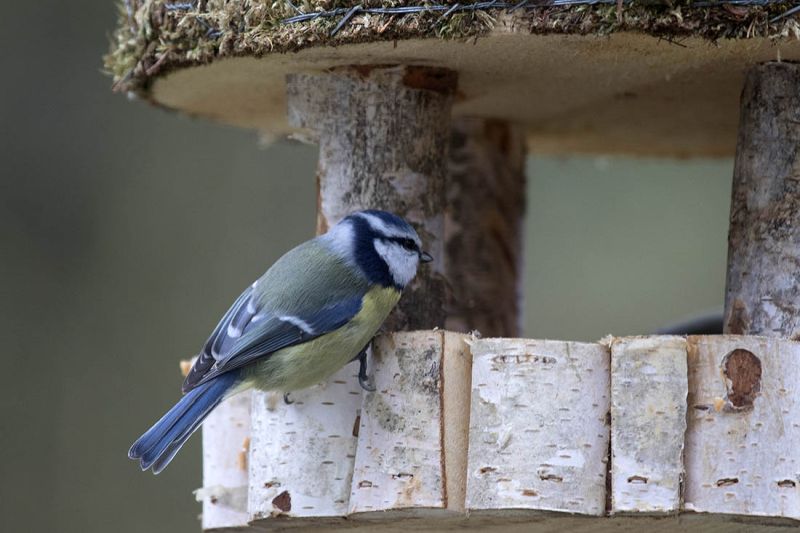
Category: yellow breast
[301,366]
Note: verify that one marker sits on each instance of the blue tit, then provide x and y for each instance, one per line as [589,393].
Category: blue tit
[316,309]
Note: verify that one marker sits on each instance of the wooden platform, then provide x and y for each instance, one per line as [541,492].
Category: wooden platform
[627,93]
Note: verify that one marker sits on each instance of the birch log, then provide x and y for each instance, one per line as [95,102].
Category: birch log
[226,442]
[648,423]
[483,227]
[763,284]
[301,455]
[539,430]
[743,439]
[383,135]
[383,144]
[412,444]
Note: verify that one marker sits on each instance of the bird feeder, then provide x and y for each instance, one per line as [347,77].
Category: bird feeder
[426,110]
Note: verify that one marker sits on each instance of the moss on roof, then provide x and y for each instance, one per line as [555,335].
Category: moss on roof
[154,37]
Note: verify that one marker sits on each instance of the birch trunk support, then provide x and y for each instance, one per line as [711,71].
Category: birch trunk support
[483,227]
[648,423]
[744,426]
[763,284]
[412,442]
[539,428]
[383,144]
[383,134]
[226,443]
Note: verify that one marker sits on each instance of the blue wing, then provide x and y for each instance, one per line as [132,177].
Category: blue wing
[308,292]
[239,313]
[249,331]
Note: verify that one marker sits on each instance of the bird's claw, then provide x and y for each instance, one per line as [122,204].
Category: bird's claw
[287,399]
[363,379]
[365,384]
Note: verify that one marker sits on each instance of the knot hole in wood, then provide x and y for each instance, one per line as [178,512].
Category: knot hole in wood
[742,371]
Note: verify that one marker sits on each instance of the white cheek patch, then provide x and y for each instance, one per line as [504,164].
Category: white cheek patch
[402,263]
[341,240]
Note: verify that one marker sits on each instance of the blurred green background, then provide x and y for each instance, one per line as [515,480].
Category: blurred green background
[127,230]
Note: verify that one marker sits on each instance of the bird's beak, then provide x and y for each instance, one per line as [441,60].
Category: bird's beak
[425,257]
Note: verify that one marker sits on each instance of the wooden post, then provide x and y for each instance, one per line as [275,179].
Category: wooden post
[483,227]
[383,135]
[763,284]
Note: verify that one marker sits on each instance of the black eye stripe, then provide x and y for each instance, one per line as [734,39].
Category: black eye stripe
[406,243]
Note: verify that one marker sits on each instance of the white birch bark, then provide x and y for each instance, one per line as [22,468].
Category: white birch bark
[538,439]
[743,439]
[412,441]
[301,455]
[648,422]
[763,284]
[539,431]
[226,441]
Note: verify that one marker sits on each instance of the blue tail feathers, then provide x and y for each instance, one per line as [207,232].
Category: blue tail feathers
[160,443]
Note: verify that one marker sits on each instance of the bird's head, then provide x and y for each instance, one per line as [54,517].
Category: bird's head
[384,246]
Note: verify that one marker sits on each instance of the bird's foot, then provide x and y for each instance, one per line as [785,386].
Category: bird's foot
[363,379]
[287,399]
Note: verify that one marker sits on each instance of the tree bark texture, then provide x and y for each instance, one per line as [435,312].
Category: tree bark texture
[704,427]
[301,455]
[226,443]
[484,227]
[763,284]
[743,426]
[412,450]
[383,134]
[538,427]
[648,423]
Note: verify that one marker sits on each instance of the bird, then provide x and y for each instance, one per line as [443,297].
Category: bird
[314,310]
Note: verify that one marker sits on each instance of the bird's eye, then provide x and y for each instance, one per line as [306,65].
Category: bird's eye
[408,244]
